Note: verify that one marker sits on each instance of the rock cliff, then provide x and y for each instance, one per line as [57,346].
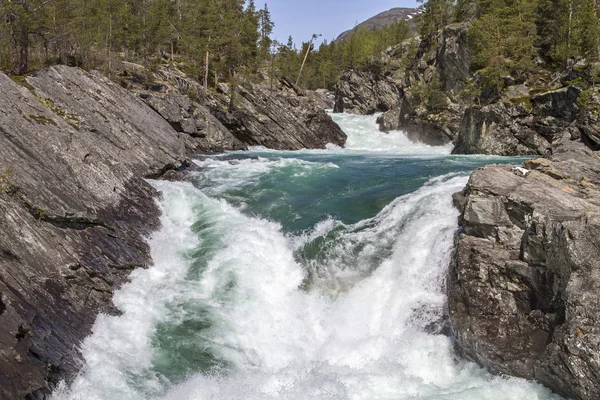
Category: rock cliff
[525,276]
[420,92]
[75,209]
[366,93]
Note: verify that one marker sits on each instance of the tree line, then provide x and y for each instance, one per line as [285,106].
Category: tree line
[517,37]
[362,50]
[213,39]
[217,36]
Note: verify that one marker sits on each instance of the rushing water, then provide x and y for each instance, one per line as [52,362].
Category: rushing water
[296,275]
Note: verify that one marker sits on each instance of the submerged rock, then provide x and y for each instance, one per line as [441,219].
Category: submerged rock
[525,274]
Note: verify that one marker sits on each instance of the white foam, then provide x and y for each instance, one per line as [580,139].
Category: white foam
[348,323]
[357,333]
[364,136]
[222,175]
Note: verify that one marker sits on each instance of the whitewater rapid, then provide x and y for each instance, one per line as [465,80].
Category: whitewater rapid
[237,306]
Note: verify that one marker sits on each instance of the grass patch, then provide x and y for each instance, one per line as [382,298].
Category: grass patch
[70,119]
[21,80]
[525,101]
[5,184]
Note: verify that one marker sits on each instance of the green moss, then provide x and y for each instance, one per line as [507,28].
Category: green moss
[39,213]
[40,119]
[21,80]
[525,101]
[70,119]
[5,184]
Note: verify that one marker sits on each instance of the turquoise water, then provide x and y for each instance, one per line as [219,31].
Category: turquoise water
[297,275]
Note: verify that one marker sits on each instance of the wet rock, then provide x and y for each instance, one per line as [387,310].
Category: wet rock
[323,98]
[496,129]
[526,270]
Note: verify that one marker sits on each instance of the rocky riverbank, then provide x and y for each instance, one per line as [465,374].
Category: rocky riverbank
[75,210]
[524,281]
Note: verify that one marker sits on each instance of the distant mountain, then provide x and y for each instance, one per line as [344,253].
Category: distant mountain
[384,19]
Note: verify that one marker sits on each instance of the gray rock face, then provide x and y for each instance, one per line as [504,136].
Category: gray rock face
[365,93]
[75,209]
[206,133]
[453,58]
[73,212]
[524,128]
[433,119]
[496,129]
[524,280]
[283,119]
[432,132]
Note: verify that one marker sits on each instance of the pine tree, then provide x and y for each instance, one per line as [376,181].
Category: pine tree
[503,39]
[436,14]
[587,32]
[266,26]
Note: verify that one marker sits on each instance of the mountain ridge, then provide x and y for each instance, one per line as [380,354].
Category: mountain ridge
[384,19]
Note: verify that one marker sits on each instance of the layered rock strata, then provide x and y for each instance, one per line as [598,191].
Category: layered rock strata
[75,209]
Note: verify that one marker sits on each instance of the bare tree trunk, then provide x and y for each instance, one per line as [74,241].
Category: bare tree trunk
[314,36]
[14,51]
[206,66]
[19,45]
[272,69]
[303,62]
[570,24]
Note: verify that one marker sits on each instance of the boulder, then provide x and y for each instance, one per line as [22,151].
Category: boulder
[323,98]
[523,283]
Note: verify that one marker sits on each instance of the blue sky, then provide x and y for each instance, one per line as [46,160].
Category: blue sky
[302,18]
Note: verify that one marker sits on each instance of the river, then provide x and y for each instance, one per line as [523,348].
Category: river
[315,274]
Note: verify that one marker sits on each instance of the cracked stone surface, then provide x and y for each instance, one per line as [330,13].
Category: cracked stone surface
[524,281]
